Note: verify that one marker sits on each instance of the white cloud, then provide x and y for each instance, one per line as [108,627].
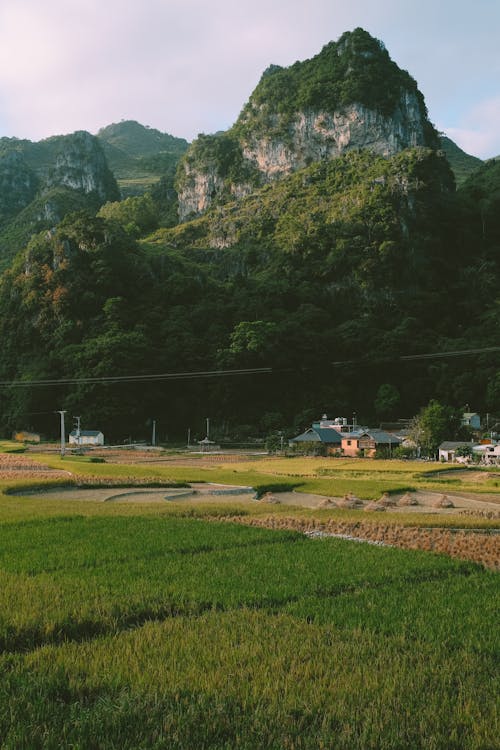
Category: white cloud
[478,132]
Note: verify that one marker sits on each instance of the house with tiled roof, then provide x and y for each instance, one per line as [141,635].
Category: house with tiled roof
[337,437]
[367,442]
[325,440]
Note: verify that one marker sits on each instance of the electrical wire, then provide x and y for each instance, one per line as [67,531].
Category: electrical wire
[135,378]
[196,375]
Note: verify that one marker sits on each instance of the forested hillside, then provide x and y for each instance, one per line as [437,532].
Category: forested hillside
[330,277]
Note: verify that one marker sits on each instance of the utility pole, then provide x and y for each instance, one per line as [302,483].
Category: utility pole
[153,437]
[78,433]
[63,436]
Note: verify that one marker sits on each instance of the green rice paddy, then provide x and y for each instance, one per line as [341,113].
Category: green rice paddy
[141,627]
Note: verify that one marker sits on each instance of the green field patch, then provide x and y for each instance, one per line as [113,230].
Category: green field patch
[252,680]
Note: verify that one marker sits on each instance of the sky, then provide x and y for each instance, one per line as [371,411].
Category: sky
[188,66]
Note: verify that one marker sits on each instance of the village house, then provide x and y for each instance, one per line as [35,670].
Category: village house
[367,443]
[490,453]
[86,437]
[471,419]
[447,450]
[338,438]
[319,440]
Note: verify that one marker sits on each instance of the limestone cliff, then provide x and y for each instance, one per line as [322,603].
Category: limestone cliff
[80,164]
[41,182]
[350,96]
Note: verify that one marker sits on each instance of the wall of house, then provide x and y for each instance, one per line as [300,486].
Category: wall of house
[350,447]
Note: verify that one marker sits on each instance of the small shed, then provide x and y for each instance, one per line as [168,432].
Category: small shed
[86,437]
[448,449]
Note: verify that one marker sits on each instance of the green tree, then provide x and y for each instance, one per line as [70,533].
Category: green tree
[434,424]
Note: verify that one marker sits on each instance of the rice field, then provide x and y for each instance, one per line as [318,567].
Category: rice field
[165,626]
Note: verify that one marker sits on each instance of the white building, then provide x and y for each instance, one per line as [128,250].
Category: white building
[86,437]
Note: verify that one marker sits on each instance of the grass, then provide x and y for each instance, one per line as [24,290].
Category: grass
[156,626]
[146,632]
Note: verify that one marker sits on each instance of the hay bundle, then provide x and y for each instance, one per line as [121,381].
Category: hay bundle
[349,501]
[406,500]
[443,502]
[386,501]
[374,506]
[327,503]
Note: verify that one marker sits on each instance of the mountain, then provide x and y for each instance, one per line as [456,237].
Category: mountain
[328,242]
[41,182]
[462,164]
[140,156]
[350,96]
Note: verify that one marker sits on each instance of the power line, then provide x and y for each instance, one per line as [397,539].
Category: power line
[459,353]
[113,379]
[196,375]
[411,357]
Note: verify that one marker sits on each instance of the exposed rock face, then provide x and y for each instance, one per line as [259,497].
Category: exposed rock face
[320,135]
[41,182]
[312,136]
[201,187]
[274,136]
[80,164]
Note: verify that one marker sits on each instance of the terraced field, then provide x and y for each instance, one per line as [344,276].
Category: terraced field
[163,625]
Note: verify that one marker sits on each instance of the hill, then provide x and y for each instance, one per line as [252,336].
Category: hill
[41,182]
[328,245]
[462,164]
[350,96]
[140,156]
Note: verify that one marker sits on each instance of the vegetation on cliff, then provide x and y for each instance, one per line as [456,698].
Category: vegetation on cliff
[356,69]
[360,260]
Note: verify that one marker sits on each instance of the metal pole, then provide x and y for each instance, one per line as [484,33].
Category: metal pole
[78,434]
[153,437]
[208,427]
[189,437]
[63,436]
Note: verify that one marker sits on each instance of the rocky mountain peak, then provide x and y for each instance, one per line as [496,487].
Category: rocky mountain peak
[349,96]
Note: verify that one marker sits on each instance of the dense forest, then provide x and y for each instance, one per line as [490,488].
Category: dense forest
[337,272]
[330,280]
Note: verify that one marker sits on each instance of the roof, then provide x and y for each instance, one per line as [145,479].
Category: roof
[309,436]
[450,445]
[318,435]
[379,436]
[86,433]
[328,435]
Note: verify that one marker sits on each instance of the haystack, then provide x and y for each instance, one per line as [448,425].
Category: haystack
[386,501]
[406,500]
[443,502]
[327,503]
[374,506]
[349,502]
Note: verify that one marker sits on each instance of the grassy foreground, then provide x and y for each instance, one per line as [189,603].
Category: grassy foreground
[139,627]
